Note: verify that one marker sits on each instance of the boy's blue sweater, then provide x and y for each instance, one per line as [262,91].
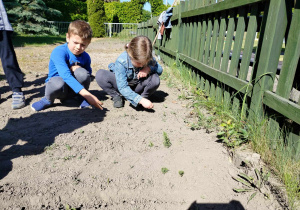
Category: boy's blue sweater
[62,59]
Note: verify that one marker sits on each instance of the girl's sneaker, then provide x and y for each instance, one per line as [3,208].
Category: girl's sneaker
[41,104]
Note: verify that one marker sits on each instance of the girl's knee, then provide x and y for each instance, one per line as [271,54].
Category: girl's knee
[101,76]
[155,80]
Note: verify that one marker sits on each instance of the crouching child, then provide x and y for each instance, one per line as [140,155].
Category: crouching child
[70,70]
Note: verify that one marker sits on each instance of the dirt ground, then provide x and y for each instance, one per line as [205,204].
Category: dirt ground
[64,157]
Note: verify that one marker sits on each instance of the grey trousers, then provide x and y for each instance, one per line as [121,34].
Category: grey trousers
[146,87]
[57,88]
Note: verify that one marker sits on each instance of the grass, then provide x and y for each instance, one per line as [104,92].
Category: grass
[277,152]
[37,40]
[167,143]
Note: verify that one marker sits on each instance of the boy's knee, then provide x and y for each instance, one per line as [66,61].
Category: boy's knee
[55,83]
[81,74]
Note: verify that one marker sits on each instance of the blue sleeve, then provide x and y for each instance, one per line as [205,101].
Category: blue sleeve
[87,65]
[59,59]
[155,67]
[123,87]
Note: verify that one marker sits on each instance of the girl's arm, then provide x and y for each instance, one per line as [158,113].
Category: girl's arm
[123,87]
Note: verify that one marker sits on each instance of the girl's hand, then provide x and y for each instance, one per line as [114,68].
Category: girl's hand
[146,103]
[144,72]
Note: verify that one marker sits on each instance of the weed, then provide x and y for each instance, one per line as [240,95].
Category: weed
[167,143]
[82,131]
[164,170]
[151,144]
[181,173]
[232,135]
[254,185]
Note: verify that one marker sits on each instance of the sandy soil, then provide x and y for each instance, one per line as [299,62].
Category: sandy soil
[65,157]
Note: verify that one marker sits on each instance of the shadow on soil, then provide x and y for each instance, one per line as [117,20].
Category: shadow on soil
[17,140]
[233,205]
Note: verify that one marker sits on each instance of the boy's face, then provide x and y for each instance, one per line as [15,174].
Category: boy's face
[76,44]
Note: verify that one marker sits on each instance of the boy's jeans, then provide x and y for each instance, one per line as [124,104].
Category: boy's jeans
[57,88]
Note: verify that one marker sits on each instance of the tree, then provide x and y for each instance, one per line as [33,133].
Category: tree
[29,16]
[96,17]
[70,9]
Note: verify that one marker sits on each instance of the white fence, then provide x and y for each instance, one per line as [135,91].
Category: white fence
[121,30]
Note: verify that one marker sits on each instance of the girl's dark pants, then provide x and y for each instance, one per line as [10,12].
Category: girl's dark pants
[146,87]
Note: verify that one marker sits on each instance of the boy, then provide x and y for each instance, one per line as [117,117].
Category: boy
[69,69]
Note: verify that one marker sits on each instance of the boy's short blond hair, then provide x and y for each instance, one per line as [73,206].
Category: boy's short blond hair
[81,28]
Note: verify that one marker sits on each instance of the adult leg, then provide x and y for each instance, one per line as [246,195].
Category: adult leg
[10,64]
[148,86]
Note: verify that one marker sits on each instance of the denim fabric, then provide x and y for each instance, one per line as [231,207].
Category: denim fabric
[4,22]
[125,71]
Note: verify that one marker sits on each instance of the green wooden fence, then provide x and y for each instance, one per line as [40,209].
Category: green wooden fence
[248,47]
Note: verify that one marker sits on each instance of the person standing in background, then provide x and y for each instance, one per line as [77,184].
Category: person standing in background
[13,73]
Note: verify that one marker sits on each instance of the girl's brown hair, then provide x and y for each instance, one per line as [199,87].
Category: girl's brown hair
[140,49]
[80,28]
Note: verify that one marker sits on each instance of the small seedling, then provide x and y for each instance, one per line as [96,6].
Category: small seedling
[82,131]
[68,147]
[181,173]
[151,144]
[69,207]
[167,142]
[164,170]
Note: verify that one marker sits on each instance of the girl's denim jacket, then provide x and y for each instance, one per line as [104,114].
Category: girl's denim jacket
[125,71]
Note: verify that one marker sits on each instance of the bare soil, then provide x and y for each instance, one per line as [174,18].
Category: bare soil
[64,157]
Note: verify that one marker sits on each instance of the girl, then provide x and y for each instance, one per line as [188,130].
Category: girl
[134,75]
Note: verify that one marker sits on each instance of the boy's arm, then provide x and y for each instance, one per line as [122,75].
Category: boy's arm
[58,57]
[93,100]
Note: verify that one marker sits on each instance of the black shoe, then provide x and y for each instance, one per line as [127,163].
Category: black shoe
[118,101]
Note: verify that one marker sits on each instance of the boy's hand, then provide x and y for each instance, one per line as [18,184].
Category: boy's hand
[146,103]
[73,68]
[93,100]
[144,72]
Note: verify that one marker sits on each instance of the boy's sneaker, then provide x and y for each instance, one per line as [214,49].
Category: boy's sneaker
[18,100]
[118,101]
[84,105]
[41,104]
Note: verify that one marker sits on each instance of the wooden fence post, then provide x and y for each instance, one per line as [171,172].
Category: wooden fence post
[273,33]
